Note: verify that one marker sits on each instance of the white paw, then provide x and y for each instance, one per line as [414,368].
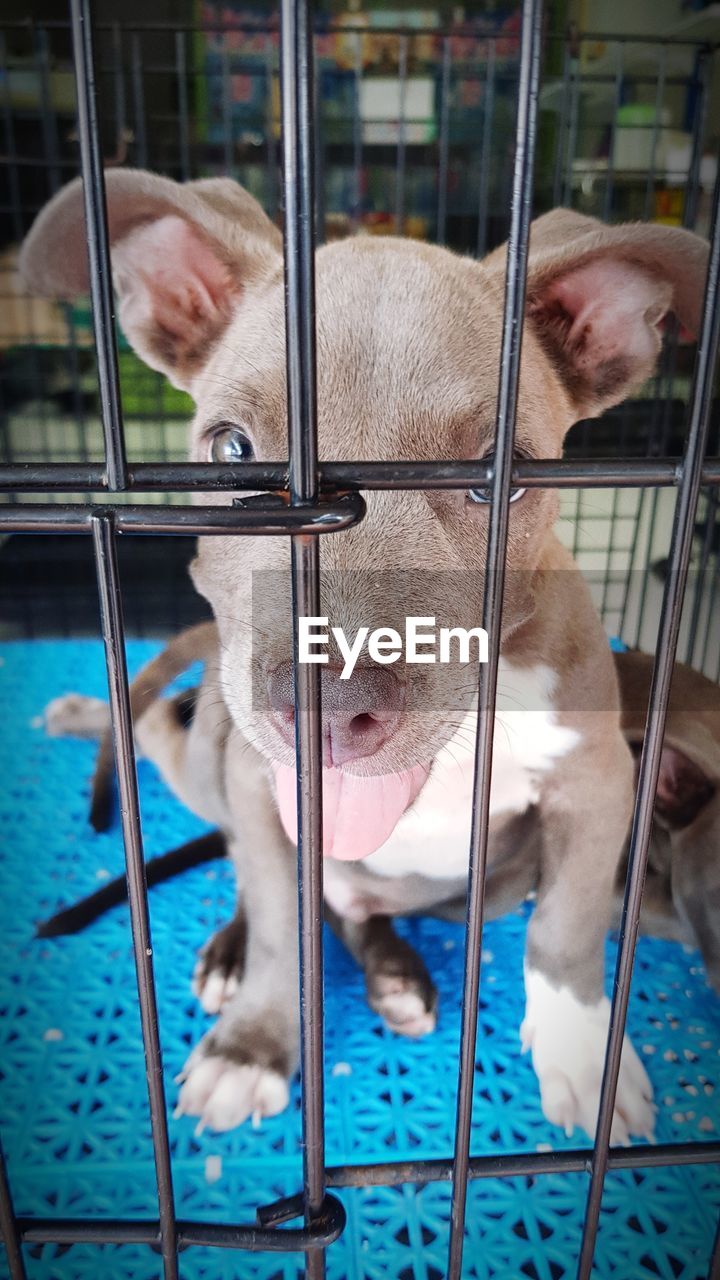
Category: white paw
[568,1040]
[402,1007]
[224,1094]
[213,989]
[75,716]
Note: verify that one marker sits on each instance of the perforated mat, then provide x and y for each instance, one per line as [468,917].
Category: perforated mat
[75,1120]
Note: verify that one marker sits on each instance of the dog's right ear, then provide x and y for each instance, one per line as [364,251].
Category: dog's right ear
[183,256]
[598,295]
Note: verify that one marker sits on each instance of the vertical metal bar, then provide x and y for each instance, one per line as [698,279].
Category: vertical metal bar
[400,159]
[357,134]
[659,100]
[271,153]
[98,245]
[136,69]
[484,185]
[49,119]
[103,533]
[299,195]
[319,164]
[714,1272]
[711,527]
[515,282]
[121,126]
[632,555]
[562,128]
[617,103]
[572,132]
[183,114]
[298,174]
[669,357]
[680,546]
[692,190]
[712,603]
[11,159]
[52,144]
[227,108]
[9,1227]
[444,142]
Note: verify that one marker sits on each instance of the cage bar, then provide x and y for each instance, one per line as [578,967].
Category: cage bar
[483,184]
[338,477]
[323,498]
[122,731]
[514,306]
[617,103]
[11,1232]
[298,176]
[444,142]
[400,156]
[714,1272]
[668,630]
[98,244]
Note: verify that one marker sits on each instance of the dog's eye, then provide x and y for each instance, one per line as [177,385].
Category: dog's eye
[230,444]
[484,495]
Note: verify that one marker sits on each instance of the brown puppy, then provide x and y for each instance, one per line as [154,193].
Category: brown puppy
[408,351]
[682,889]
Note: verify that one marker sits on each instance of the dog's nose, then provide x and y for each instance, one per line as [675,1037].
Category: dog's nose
[359,714]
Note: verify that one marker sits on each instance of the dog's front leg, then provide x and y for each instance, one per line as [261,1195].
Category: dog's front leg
[584,823]
[242,1067]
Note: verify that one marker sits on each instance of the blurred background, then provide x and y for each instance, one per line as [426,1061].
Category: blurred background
[414,135]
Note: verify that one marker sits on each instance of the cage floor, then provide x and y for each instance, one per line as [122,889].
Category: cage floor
[74,1113]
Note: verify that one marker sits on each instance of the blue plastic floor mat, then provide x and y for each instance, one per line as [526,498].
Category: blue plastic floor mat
[75,1120]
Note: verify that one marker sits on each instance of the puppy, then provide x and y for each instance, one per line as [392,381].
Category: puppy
[681,900]
[682,888]
[408,350]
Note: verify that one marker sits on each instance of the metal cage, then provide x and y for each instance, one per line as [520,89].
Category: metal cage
[323,497]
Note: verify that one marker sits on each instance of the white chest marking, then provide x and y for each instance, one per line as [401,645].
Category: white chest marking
[433,837]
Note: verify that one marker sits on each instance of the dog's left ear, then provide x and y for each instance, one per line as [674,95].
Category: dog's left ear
[185,257]
[597,296]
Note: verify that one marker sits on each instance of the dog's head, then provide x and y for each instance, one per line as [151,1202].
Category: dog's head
[408,343]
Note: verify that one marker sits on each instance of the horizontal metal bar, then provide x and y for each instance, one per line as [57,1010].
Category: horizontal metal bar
[472,69]
[193,477]
[462,30]
[522,1164]
[393,1173]
[269,520]
[325,1228]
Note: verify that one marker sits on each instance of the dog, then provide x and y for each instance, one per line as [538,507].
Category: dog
[408,340]
[681,898]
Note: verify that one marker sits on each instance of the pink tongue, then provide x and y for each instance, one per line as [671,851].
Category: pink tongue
[359,814]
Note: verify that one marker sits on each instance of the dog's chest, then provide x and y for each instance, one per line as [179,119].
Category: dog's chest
[432,839]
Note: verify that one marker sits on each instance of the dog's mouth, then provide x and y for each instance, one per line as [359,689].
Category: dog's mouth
[360,813]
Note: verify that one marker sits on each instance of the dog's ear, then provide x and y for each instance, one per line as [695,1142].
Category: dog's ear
[183,256]
[597,296]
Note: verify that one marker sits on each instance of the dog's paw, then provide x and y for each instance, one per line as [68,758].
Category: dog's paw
[220,966]
[76,716]
[407,1004]
[223,1094]
[567,1040]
